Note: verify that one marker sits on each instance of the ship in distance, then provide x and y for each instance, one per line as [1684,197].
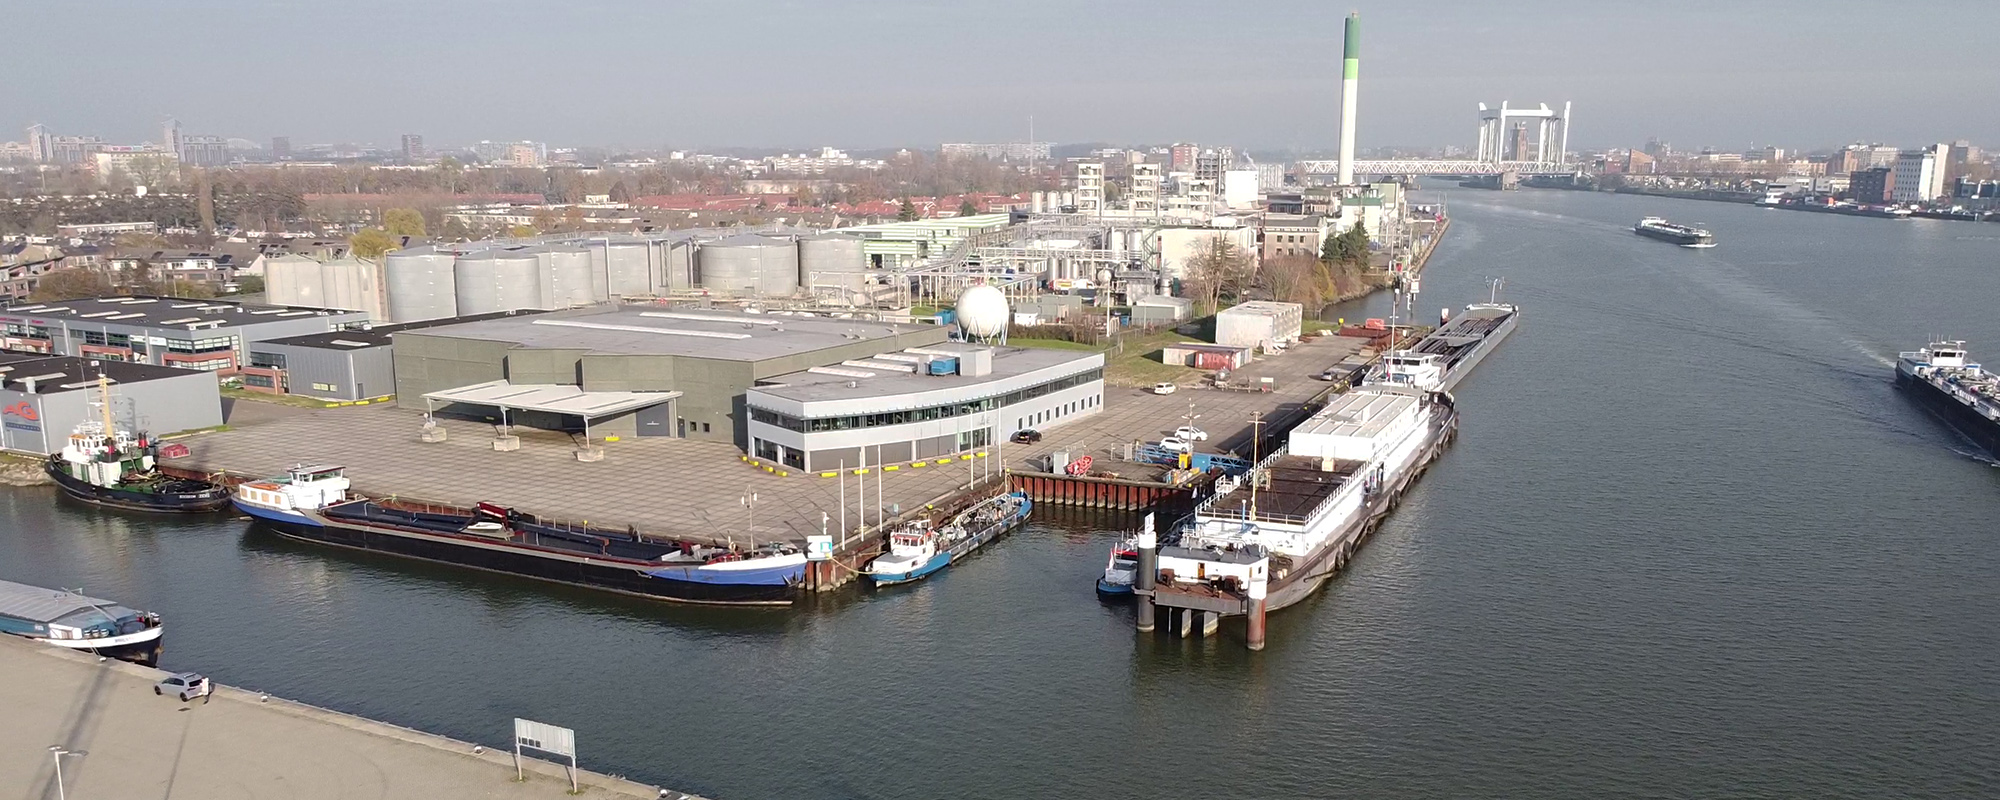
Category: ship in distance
[1683,235]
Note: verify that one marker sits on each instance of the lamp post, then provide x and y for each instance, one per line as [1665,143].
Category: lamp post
[56,753]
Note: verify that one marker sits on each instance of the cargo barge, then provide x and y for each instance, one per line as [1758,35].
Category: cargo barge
[1945,381]
[71,620]
[1683,235]
[312,504]
[1443,358]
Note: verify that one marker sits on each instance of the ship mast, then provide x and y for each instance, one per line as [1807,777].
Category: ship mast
[104,403]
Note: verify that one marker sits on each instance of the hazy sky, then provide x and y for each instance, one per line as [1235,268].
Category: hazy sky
[876,73]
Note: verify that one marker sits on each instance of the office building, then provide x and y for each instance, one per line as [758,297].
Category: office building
[41,147]
[1871,185]
[281,148]
[413,147]
[1920,175]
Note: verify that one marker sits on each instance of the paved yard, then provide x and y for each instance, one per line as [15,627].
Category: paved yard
[233,744]
[692,489]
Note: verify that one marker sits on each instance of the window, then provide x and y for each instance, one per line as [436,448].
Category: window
[262,381]
[267,360]
[704,427]
[93,337]
[205,365]
[326,387]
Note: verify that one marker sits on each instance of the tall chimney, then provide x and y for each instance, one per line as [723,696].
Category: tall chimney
[1350,82]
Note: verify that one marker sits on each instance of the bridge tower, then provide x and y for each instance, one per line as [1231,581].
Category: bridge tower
[1551,141]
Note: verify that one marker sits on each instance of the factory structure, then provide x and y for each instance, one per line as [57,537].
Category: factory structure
[43,398]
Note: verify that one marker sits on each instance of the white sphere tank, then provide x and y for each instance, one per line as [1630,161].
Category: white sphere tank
[1103,278]
[982,311]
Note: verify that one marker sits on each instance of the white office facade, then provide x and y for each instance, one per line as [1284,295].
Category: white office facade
[830,425]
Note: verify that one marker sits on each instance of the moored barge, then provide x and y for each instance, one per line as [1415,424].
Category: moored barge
[71,620]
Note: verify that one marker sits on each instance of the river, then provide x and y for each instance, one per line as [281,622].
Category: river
[1690,543]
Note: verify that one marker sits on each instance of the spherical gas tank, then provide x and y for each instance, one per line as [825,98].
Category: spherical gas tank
[982,311]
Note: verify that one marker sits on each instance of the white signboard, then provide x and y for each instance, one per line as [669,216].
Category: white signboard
[548,739]
[819,548]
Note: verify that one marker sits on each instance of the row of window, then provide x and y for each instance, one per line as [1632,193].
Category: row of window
[267,360]
[816,425]
[1064,410]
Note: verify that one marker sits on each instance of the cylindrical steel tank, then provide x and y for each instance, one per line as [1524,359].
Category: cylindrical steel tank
[628,268]
[422,284]
[750,265]
[564,276]
[498,280]
[832,259]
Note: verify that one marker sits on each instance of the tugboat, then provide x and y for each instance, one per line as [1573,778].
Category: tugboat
[1683,235]
[70,620]
[917,551]
[115,468]
[913,554]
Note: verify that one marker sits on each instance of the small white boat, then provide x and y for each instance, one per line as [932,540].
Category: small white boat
[913,554]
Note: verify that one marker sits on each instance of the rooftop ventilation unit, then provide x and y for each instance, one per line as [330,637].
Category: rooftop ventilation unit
[134,315]
[845,373]
[350,343]
[560,323]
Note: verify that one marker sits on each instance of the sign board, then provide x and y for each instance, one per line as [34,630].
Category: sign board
[819,548]
[548,739]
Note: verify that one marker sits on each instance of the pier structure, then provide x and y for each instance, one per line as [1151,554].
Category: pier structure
[120,739]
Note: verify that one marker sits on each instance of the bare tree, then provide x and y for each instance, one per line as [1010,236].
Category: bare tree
[1219,268]
[1298,279]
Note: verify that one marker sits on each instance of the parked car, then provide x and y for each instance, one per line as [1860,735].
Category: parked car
[1330,374]
[1027,436]
[1164,388]
[1175,444]
[184,685]
[1191,433]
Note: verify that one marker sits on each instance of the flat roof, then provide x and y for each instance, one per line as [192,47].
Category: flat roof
[1361,412]
[1264,308]
[54,374]
[830,383]
[377,335]
[659,330]
[164,312]
[555,398]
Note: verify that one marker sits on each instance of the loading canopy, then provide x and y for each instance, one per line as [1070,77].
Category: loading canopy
[554,398]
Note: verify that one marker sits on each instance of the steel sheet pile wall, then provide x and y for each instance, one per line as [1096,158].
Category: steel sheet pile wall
[422,284]
[498,281]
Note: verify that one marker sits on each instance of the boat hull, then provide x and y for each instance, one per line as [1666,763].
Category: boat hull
[1109,589]
[1962,418]
[1674,238]
[774,585]
[142,647]
[276,516]
[935,563]
[966,546]
[1479,352]
[195,501]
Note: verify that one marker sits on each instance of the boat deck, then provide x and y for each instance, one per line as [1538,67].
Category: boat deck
[593,541]
[1463,335]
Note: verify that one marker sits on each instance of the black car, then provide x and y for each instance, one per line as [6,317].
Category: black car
[1026,437]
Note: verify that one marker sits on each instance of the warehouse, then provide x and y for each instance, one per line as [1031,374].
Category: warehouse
[339,365]
[1260,323]
[206,335]
[920,403]
[694,365]
[43,398]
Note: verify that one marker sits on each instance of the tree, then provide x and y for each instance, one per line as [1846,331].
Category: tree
[204,199]
[1218,268]
[371,243]
[403,222]
[1298,279]
[1348,247]
[619,193]
[71,283]
[455,230]
[520,232]
[908,212]
[966,208]
[250,284]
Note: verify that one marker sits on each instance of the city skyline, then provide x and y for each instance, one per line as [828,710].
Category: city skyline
[790,76]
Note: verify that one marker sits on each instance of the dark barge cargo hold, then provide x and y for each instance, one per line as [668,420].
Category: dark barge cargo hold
[1683,235]
[311,504]
[1945,381]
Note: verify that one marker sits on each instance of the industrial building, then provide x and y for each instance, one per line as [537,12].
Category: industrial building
[340,365]
[346,283]
[43,398]
[207,335]
[1154,310]
[1260,324]
[918,403]
[631,370]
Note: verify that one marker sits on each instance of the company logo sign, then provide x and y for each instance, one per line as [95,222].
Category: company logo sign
[21,417]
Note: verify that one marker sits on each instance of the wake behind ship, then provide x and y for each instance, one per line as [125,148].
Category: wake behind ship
[312,504]
[1964,394]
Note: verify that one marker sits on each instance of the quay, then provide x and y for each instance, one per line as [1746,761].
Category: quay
[130,742]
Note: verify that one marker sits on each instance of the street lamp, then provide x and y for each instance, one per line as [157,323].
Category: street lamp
[56,753]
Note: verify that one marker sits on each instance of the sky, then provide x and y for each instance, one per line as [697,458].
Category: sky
[866,74]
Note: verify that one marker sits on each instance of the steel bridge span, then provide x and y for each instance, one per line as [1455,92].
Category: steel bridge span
[1415,166]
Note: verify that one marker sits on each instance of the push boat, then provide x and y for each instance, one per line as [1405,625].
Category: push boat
[313,504]
[110,467]
[1120,569]
[71,620]
[918,550]
[1683,235]
[1948,383]
[913,554]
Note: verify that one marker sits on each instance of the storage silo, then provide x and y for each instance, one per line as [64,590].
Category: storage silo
[832,259]
[565,276]
[293,280]
[354,285]
[422,283]
[628,268]
[750,265]
[498,280]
